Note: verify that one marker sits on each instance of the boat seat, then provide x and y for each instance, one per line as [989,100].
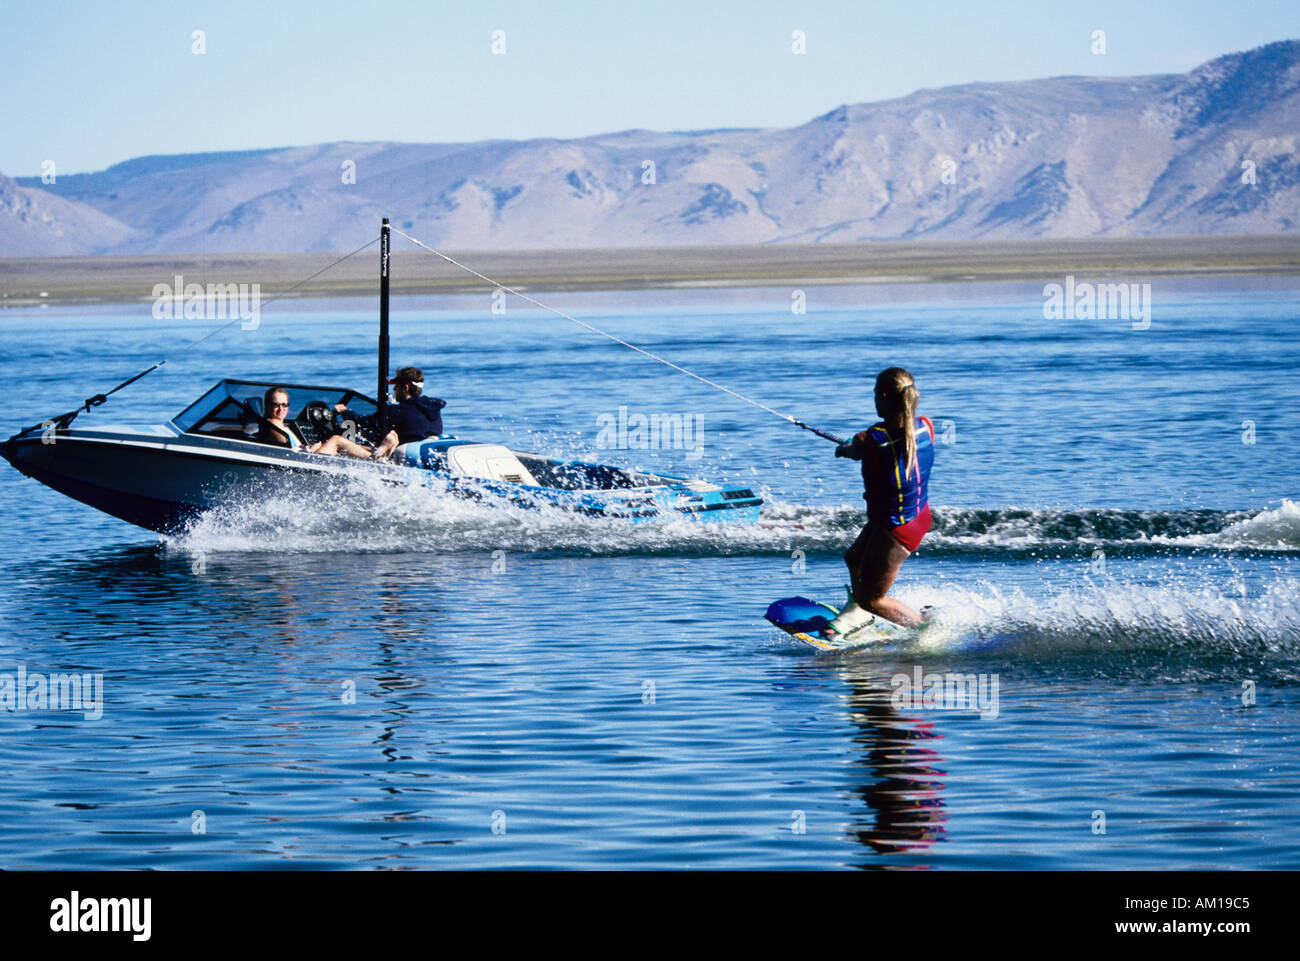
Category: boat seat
[232,432]
[488,461]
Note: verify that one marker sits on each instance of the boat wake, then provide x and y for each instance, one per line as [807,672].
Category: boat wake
[364,514]
[1010,529]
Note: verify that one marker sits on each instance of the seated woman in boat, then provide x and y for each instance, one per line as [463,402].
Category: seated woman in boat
[275,431]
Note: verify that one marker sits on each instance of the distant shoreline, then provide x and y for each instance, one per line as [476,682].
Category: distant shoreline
[27,281]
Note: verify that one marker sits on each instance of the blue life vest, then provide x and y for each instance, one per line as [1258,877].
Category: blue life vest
[892,496]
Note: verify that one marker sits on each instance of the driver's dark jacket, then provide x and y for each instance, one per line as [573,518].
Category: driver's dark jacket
[414,418]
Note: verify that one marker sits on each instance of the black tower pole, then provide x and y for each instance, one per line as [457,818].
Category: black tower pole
[382,395]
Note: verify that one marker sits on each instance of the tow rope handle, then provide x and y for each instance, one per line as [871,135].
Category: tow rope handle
[839,441]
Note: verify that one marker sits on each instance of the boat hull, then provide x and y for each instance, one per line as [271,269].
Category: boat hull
[163,481]
[153,484]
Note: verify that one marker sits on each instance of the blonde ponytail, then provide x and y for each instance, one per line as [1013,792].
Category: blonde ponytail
[897,389]
[910,399]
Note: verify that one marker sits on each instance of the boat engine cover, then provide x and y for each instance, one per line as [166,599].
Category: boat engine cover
[488,461]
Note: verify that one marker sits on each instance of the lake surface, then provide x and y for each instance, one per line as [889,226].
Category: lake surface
[388,679]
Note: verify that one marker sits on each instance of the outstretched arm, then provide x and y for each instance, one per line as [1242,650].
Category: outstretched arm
[854,448]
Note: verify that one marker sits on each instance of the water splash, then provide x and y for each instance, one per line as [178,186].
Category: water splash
[364,514]
[1174,631]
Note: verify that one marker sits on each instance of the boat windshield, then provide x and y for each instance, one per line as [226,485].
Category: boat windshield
[233,408]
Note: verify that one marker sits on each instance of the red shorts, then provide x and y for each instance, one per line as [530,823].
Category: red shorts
[910,534]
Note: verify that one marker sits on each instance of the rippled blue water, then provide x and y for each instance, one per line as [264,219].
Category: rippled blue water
[386,680]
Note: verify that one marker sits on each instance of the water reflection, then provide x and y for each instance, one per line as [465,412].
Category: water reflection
[901,778]
[367,619]
[293,593]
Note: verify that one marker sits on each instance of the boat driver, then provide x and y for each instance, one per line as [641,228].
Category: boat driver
[414,418]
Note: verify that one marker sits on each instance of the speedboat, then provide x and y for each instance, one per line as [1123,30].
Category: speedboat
[206,456]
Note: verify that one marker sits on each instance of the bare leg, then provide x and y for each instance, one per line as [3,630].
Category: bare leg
[881,559]
[388,445]
[338,444]
[853,612]
[854,558]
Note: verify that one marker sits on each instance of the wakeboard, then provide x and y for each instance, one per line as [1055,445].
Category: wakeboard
[804,619]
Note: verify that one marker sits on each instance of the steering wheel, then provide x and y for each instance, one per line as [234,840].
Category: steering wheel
[320,419]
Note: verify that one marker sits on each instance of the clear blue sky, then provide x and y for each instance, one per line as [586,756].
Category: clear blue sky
[88,84]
